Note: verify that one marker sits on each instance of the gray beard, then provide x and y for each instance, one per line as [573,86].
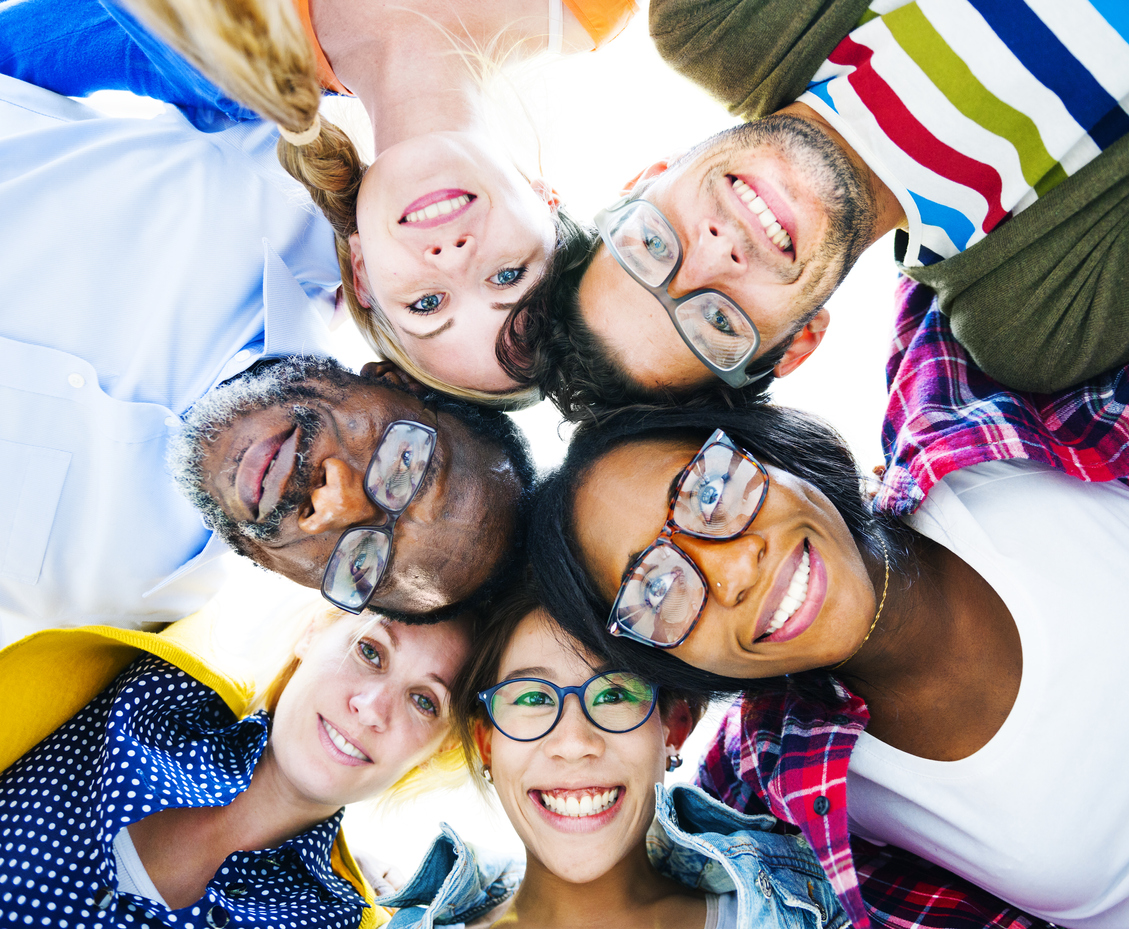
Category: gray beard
[287,382]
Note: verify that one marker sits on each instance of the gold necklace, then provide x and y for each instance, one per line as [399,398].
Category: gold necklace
[881,603]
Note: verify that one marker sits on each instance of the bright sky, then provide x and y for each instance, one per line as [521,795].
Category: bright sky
[600,119]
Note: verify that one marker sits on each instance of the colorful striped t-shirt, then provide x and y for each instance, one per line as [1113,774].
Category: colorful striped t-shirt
[970,110]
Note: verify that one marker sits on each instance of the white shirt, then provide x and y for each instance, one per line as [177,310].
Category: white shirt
[1040,815]
[143,262]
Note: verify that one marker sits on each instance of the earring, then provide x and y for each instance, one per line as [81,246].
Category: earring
[674,762]
[486,775]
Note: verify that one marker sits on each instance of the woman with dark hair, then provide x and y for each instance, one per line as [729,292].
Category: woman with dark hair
[607,845]
[905,666]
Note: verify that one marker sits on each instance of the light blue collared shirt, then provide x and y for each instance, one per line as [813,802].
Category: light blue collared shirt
[142,263]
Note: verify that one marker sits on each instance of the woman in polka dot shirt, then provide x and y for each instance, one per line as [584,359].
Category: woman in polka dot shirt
[154,805]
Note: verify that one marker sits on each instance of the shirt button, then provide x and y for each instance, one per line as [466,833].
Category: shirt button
[217,917]
[76,380]
[172,421]
[821,806]
[103,896]
[242,355]
[236,890]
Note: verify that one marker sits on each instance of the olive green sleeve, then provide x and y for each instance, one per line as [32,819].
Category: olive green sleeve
[755,56]
[1042,302]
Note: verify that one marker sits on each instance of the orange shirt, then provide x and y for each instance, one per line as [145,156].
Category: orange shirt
[603,20]
[325,72]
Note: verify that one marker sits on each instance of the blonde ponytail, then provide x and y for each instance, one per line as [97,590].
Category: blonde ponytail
[254,50]
[257,52]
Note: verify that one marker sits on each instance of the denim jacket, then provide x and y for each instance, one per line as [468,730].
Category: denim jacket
[694,839]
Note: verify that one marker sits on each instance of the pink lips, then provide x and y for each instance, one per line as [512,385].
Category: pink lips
[779,207]
[591,823]
[249,477]
[807,611]
[436,196]
[336,753]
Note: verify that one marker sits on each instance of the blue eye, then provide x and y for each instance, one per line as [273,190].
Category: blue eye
[655,590]
[370,653]
[359,561]
[406,458]
[508,277]
[427,304]
[716,318]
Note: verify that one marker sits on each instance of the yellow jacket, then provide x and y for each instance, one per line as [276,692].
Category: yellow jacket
[47,677]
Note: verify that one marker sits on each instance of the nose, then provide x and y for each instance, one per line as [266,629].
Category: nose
[574,738]
[711,255]
[731,566]
[452,251]
[372,707]
[340,502]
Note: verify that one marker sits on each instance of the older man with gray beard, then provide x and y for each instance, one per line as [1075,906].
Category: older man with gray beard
[151,272]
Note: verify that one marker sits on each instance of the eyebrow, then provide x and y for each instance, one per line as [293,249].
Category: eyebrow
[434,332]
[503,306]
[527,672]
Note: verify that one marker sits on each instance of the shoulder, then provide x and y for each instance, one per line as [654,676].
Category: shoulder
[754,55]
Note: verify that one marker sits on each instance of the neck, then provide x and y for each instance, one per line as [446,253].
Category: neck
[631,894]
[404,60]
[889,214]
[183,848]
[942,668]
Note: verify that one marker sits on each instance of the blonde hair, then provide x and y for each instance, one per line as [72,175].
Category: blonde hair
[444,770]
[257,52]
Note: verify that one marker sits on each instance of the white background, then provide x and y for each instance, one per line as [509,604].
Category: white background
[598,118]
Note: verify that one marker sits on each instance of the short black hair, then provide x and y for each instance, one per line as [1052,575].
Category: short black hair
[547,341]
[788,439]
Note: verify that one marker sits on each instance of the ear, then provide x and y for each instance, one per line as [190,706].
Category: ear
[804,343]
[302,646]
[388,372]
[652,170]
[360,276]
[483,738]
[678,722]
[545,191]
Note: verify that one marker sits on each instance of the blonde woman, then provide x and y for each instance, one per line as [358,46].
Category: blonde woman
[436,239]
[135,790]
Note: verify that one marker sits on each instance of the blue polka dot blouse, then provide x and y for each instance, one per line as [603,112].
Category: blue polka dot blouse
[154,739]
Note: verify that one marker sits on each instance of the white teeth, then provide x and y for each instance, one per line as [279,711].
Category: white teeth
[342,743]
[443,206]
[579,807]
[793,597]
[760,210]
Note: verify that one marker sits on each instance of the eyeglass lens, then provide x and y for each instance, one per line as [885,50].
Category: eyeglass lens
[649,247]
[719,494]
[527,709]
[393,477]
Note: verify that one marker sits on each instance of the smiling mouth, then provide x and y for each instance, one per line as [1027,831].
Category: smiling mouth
[442,205]
[776,233]
[340,742]
[256,476]
[794,596]
[578,804]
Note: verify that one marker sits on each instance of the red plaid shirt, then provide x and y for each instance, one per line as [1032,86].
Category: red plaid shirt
[781,754]
[944,413]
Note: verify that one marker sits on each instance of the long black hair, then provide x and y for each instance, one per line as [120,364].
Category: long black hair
[788,439]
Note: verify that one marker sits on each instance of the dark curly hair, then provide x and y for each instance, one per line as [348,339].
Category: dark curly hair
[546,341]
[788,439]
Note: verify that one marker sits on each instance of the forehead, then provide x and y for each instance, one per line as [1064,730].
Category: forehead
[538,643]
[635,328]
[623,501]
[437,647]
